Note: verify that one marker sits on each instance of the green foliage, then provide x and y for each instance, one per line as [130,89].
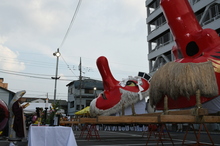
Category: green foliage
[52,112]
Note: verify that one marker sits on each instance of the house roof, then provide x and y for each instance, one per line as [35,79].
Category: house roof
[87,84]
[29,99]
[7,90]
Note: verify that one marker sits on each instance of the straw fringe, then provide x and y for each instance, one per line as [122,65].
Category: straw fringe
[127,99]
[183,79]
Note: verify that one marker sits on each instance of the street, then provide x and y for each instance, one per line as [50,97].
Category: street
[134,138]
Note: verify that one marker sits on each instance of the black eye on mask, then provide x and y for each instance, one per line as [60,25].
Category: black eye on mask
[144,75]
[130,83]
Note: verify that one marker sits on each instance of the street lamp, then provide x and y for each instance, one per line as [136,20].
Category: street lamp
[94,91]
[57,54]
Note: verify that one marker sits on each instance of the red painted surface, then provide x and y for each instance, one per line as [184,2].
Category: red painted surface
[111,95]
[194,43]
[4,114]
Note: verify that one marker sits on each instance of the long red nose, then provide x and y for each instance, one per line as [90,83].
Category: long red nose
[109,81]
[190,38]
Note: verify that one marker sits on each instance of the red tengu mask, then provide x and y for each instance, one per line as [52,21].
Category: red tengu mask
[116,94]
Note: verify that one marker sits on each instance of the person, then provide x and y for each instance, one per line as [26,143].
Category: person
[17,127]
[34,118]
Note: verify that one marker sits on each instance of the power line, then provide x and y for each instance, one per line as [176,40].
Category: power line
[40,76]
[24,73]
[47,65]
[67,65]
[37,93]
[28,62]
[71,23]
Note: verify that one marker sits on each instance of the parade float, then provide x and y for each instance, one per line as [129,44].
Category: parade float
[189,81]
[194,72]
[196,65]
[192,79]
[117,95]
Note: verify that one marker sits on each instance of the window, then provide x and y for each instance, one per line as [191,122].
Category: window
[212,14]
[152,7]
[199,15]
[152,46]
[88,102]
[161,41]
[157,23]
[71,89]
[166,38]
[89,91]
[72,104]
[78,107]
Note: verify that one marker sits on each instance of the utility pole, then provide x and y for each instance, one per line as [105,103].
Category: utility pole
[80,85]
[56,54]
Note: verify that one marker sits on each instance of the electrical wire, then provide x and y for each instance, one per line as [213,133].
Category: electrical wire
[71,23]
[43,76]
[40,76]
[67,65]
[68,30]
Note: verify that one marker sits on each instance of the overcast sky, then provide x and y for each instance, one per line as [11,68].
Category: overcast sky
[32,30]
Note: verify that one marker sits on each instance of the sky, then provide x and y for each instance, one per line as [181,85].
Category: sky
[31,31]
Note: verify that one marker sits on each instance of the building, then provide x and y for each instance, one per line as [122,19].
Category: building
[81,93]
[5,94]
[3,85]
[62,103]
[160,39]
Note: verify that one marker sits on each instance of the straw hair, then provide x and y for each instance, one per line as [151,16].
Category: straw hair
[183,79]
[127,99]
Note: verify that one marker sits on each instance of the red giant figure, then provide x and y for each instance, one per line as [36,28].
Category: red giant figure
[194,46]
[196,68]
[117,94]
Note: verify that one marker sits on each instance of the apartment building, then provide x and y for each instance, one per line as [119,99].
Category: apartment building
[81,93]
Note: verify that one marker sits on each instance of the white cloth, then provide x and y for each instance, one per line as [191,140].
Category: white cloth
[51,136]
[32,107]
[213,105]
